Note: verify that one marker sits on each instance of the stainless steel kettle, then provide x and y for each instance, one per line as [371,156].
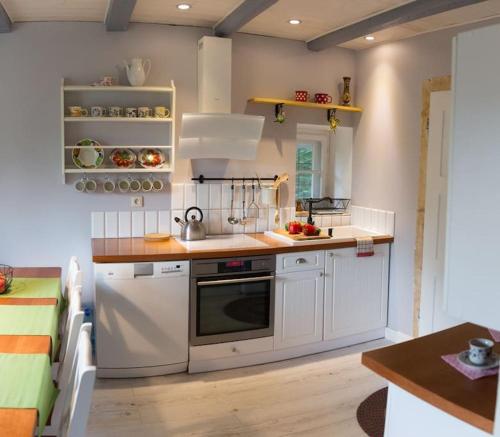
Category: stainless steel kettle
[192,229]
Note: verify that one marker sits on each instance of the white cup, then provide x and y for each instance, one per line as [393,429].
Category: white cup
[124,185]
[480,350]
[109,186]
[90,186]
[157,185]
[147,185]
[135,185]
[80,185]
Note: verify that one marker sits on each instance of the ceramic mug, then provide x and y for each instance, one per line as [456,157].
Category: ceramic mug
[98,111]
[77,111]
[480,350]
[80,185]
[301,96]
[108,186]
[107,81]
[147,185]
[157,185]
[144,112]
[124,185]
[161,112]
[322,98]
[90,185]
[131,112]
[115,111]
[135,185]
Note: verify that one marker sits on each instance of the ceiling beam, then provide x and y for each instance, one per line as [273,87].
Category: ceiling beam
[5,22]
[246,11]
[118,15]
[393,17]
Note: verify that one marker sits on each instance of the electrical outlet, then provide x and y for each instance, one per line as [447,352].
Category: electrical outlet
[137,202]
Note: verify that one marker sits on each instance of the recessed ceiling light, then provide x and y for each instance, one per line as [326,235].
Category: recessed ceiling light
[294,21]
[183,6]
[370,38]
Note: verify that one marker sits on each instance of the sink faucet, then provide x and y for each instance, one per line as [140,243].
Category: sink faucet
[311,201]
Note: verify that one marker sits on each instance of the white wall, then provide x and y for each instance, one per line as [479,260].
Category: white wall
[387,146]
[42,221]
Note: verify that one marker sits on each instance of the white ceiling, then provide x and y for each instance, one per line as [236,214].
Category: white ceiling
[318,16]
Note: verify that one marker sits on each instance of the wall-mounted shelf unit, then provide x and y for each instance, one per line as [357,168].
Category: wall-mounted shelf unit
[310,105]
[117,132]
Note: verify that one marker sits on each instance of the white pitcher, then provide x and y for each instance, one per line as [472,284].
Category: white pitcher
[137,70]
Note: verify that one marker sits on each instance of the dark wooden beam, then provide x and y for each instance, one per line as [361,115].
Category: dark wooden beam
[5,22]
[245,12]
[393,17]
[118,15]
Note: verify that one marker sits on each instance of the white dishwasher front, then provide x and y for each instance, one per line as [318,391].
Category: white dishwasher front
[142,318]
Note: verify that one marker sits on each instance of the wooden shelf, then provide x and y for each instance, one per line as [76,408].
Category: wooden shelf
[117,120]
[119,170]
[310,105]
[118,88]
[123,146]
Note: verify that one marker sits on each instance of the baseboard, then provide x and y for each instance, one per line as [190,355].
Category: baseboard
[396,336]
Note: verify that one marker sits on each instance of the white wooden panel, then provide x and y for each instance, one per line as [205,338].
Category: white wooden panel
[262,221]
[227,228]
[164,221]
[226,196]
[298,309]
[345,220]
[137,223]
[97,227]
[215,196]
[177,196]
[230,349]
[111,224]
[124,224]
[356,291]
[189,195]
[472,244]
[300,261]
[175,229]
[151,222]
[251,226]
[202,196]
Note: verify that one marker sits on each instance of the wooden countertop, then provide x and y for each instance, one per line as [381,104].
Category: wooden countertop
[115,250]
[416,366]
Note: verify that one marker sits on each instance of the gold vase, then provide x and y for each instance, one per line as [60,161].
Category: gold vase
[346,94]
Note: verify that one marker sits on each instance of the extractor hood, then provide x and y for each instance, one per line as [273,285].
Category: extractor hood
[214,132]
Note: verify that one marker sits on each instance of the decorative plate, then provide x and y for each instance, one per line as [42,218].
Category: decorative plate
[151,158]
[493,362]
[87,154]
[123,158]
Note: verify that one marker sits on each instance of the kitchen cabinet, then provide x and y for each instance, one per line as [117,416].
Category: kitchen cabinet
[356,291]
[298,308]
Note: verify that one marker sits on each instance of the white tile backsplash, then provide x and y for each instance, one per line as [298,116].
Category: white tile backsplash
[215,196]
[151,222]
[97,224]
[376,220]
[226,196]
[137,223]
[164,222]
[175,229]
[111,224]
[177,196]
[124,224]
[189,195]
[203,196]
[215,221]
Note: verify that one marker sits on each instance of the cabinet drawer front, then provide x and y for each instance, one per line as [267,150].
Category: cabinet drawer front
[230,349]
[299,261]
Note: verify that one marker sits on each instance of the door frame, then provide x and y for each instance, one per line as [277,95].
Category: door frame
[442,83]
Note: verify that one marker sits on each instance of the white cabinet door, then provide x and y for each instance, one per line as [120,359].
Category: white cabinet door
[355,292]
[299,308]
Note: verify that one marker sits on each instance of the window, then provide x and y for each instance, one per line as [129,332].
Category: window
[308,169]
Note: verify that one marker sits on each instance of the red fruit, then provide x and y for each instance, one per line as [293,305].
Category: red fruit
[2,284]
[294,227]
[309,230]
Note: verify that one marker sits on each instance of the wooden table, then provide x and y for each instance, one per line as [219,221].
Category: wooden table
[416,367]
[33,272]
[21,422]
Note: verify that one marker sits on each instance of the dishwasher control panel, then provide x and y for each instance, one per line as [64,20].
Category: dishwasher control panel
[168,269]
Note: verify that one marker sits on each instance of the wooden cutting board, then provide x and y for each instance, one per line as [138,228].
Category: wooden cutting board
[301,237]
[157,237]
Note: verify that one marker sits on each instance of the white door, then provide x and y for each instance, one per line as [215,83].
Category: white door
[432,315]
[299,308]
[356,290]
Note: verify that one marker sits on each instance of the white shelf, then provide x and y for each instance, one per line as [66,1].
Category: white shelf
[118,170]
[117,120]
[119,88]
[122,146]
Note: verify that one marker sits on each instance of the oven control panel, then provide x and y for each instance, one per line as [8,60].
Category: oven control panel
[233,265]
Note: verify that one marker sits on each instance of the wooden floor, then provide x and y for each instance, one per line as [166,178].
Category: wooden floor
[311,396]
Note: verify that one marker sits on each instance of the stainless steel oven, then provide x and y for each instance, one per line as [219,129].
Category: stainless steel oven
[232,299]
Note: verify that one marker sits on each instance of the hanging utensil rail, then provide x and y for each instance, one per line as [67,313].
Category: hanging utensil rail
[201,179]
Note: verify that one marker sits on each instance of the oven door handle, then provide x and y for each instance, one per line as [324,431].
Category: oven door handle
[236,281]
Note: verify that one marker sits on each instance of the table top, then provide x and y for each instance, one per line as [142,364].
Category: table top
[21,422]
[33,272]
[417,367]
[115,250]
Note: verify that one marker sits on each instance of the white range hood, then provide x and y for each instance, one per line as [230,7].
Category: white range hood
[214,132]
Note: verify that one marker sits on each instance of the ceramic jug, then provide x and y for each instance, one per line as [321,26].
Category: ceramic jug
[137,70]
